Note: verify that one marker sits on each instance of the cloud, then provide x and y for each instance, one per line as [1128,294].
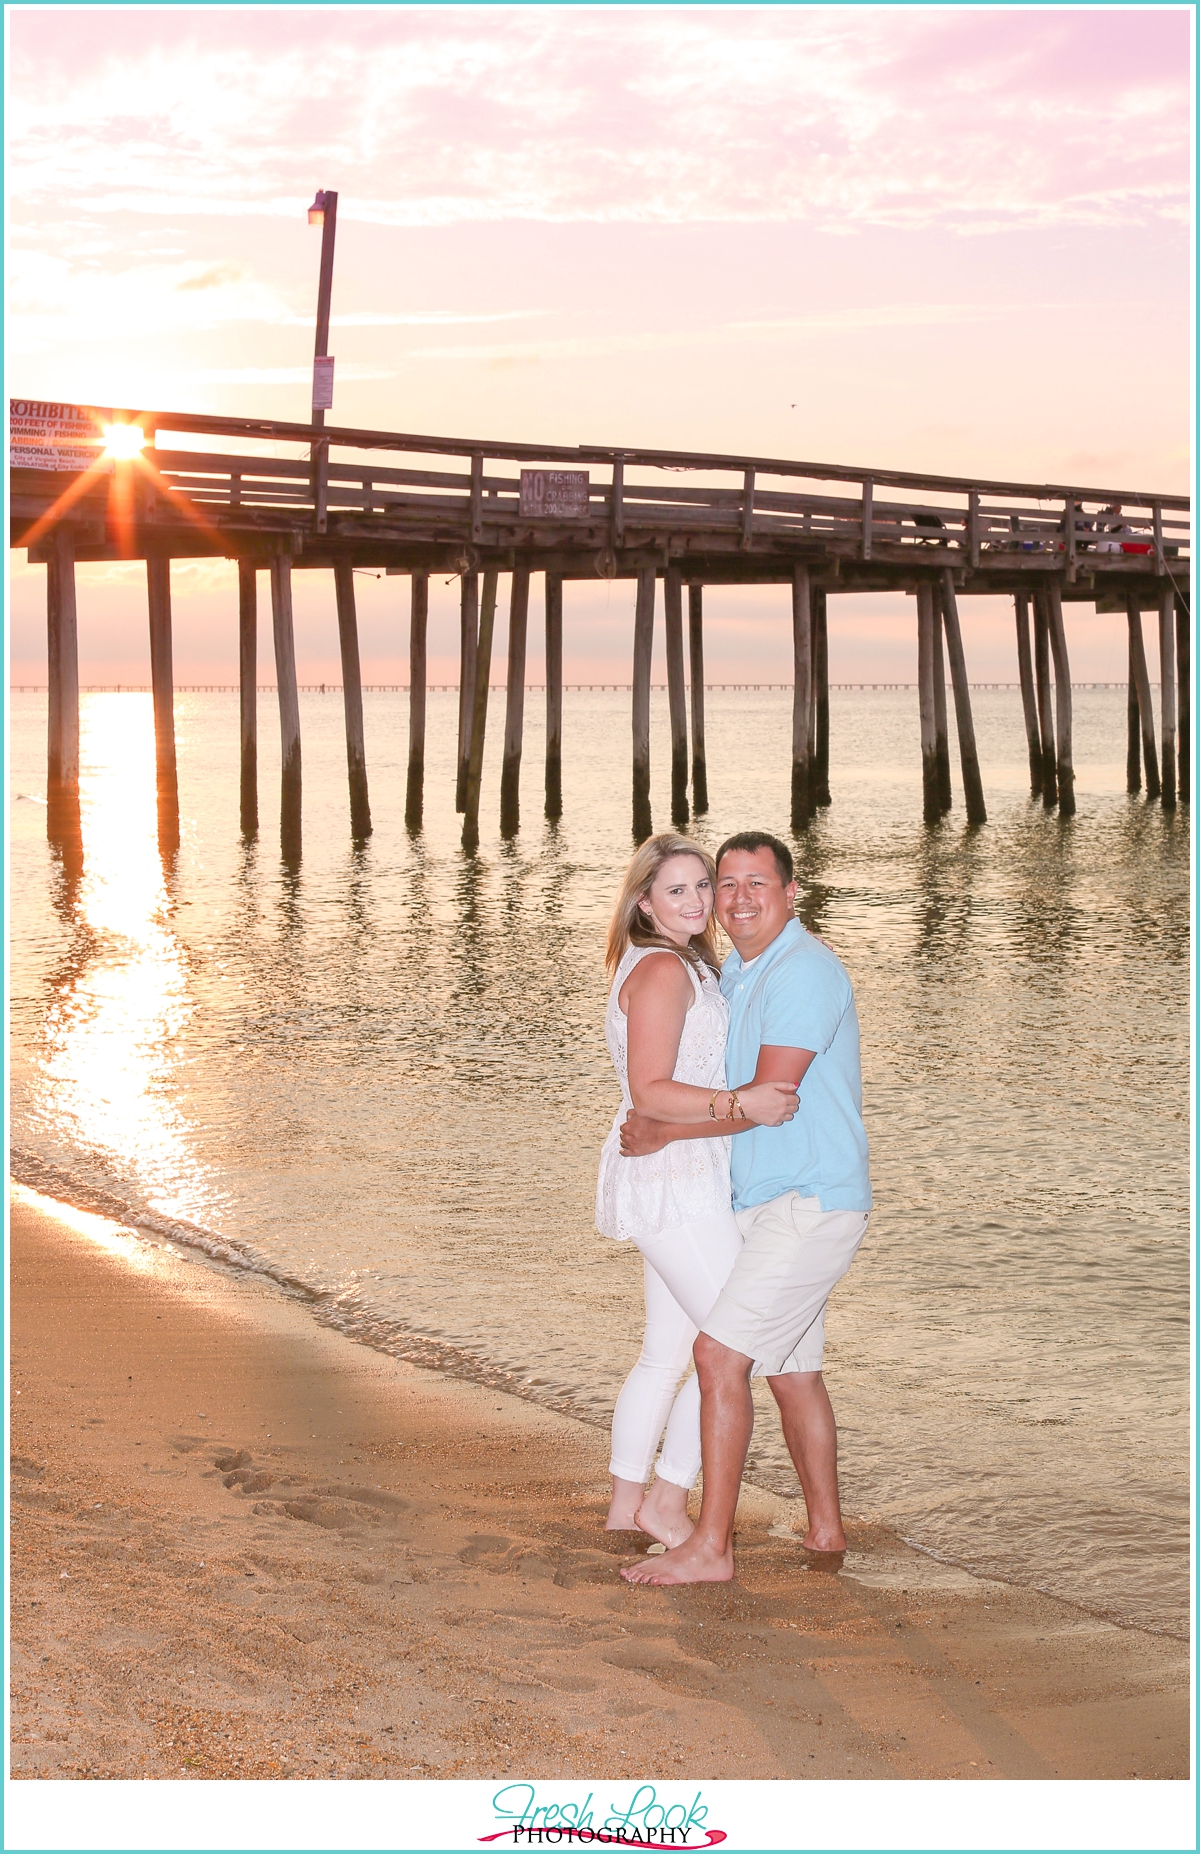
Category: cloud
[970,119]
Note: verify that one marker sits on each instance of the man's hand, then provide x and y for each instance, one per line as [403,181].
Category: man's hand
[640,1135]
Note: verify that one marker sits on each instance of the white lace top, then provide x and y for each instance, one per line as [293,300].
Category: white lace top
[689,1178]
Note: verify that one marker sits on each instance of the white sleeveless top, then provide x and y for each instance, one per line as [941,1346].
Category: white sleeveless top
[689,1178]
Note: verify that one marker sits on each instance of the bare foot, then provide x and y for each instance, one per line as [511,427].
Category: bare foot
[693,1562]
[824,1539]
[627,1496]
[663,1514]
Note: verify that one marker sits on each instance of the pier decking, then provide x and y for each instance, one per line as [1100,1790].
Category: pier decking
[413,505]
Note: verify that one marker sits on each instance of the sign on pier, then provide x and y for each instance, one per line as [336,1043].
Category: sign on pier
[561,493]
[46,434]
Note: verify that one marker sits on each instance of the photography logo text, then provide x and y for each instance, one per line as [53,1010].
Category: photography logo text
[645,1821]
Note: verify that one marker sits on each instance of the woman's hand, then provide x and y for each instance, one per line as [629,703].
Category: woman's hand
[769,1103]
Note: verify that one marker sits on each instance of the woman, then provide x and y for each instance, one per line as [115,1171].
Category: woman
[665,1030]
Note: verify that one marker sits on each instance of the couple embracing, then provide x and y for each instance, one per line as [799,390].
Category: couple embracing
[738,1166]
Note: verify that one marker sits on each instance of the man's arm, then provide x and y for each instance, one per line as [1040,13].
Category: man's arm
[776,1062]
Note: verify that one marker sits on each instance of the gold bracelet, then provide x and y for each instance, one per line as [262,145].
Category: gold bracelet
[733,1102]
[712,1104]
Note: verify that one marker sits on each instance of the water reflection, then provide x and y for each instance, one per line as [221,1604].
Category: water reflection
[120,1003]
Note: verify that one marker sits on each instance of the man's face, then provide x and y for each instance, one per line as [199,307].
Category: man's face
[753,905]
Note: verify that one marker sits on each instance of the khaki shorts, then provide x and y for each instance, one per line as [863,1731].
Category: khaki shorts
[772,1308]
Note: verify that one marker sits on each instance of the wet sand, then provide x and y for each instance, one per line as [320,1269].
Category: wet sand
[246,1547]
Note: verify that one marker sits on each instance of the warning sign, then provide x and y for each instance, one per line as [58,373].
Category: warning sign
[46,434]
[555,492]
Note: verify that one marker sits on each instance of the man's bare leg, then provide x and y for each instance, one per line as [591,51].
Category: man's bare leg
[726,1424]
[810,1432]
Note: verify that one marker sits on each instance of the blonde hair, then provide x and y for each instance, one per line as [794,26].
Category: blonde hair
[630,927]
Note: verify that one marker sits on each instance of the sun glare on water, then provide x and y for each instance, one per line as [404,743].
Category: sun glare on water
[110,1063]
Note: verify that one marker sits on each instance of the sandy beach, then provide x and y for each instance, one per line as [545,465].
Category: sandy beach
[246,1547]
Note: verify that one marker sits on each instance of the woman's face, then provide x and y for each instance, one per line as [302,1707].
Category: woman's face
[679,901]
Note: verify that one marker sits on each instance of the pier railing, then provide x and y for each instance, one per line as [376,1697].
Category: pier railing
[348,488]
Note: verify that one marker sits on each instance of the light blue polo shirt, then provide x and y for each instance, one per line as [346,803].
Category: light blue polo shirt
[797,994]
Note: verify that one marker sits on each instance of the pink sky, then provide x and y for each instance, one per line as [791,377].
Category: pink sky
[944,239]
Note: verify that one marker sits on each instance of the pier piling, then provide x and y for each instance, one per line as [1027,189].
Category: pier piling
[1166,661]
[1045,700]
[676,693]
[62,656]
[1028,693]
[802,696]
[554,693]
[248,695]
[289,707]
[483,672]
[514,714]
[926,619]
[696,653]
[968,753]
[1133,726]
[414,796]
[162,683]
[1183,671]
[356,750]
[467,649]
[820,758]
[1141,677]
[643,654]
[940,721]
[1064,765]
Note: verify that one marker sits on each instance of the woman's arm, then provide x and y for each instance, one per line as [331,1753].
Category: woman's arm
[655,998]
[643,1133]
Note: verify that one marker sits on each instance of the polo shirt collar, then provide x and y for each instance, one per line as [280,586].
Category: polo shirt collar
[779,945]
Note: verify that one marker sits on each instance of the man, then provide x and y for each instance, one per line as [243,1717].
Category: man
[801,1194]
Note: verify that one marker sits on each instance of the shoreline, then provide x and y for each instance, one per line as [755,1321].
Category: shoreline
[248,1546]
[440,1357]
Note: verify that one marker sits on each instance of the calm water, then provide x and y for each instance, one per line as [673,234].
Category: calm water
[385,1077]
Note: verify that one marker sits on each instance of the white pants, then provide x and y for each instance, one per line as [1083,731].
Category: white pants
[686,1268]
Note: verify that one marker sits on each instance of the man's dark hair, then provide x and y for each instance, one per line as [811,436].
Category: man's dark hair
[752,840]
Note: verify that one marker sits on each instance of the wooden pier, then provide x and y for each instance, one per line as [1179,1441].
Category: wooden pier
[413,505]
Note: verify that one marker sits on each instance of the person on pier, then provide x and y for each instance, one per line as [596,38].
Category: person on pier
[801,1195]
[665,1028]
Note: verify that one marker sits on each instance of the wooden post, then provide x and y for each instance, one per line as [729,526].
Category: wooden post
[248,693]
[1028,693]
[1133,724]
[820,762]
[554,694]
[162,682]
[1141,677]
[940,723]
[926,619]
[967,751]
[514,716]
[802,695]
[483,671]
[62,663]
[1183,671]
[676,694]
[1062,701]
[468,644]
[868,504]
[356,751]
[696,653]
[289,706]
[1041,659]
[747,508]
[414,797]
[1166,700]
[643,653]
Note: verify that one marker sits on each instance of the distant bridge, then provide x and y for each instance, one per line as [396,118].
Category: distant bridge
[478,508]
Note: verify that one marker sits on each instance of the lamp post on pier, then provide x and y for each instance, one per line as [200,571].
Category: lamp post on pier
[322,212]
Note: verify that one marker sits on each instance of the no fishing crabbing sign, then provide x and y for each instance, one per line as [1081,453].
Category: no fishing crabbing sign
[561,493]
[47,434]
